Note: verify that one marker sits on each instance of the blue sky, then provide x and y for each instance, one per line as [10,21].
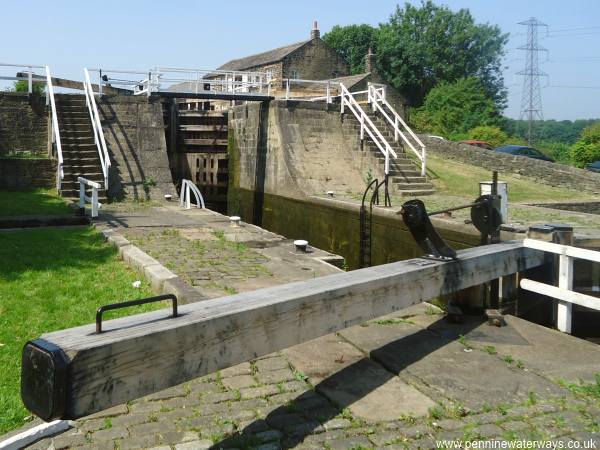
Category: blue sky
[132,34]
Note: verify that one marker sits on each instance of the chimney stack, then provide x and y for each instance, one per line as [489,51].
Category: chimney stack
[370,63]
[315,33]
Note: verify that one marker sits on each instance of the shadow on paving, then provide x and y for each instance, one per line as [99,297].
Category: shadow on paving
[304,415]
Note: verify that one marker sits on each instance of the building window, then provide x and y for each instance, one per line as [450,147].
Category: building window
[294,74]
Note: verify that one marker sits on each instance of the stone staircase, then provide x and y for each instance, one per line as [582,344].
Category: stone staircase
[80,154]
[405,174]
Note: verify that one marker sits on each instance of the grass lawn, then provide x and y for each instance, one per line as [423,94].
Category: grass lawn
[34,202]
[462,180]
[52,279]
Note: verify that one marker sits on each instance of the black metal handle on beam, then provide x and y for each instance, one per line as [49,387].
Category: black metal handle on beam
[141,301]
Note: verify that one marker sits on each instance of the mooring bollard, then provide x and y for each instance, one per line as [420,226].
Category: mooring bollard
[234,221]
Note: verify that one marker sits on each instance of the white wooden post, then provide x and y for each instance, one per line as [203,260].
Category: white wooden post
[287,89]
[30,80]
[328,92]
[564,314]
[362,127]
[94,201]
[396,128]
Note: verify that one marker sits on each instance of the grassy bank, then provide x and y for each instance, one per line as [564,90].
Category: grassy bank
[34,202]
[52,279]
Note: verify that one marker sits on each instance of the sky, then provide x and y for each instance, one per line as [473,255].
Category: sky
[138,35]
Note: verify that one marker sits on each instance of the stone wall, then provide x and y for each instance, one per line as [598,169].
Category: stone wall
[19,174]
[543,172]
[135,137]
[315,61]
[294,149]
[23,123]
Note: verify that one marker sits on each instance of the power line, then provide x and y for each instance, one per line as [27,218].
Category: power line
[571,87]
[531,99]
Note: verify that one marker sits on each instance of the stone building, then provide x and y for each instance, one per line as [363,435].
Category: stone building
[312,59]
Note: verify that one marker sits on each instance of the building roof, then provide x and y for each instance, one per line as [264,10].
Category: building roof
[261,59]
[352,80]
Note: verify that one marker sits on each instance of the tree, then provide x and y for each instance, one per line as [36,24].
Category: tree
[587,148]
[421,47]
[353,43]
[490,134]
[455,108]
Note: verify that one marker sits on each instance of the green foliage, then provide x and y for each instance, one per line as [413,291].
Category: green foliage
[584,389]
[23,86]
[491,134]
[559,151]
[453,108]
[587,148]
[422,46]
[563,131]
[352,42]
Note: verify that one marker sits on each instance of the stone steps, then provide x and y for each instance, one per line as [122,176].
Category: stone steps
[406,176]
[80,153]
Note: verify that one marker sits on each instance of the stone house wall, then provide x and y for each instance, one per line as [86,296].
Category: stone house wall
[23,123]
[315,61]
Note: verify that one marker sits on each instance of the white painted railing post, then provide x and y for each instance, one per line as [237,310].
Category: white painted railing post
[94,201]
[30,80]
[564,313]
[287,89]
[328,91]
[423,161]
[362,127]
[396,128]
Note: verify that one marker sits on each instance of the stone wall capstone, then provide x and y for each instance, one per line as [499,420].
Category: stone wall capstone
[544,172]
[23,123]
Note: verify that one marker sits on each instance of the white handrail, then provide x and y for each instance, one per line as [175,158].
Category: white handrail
[97,126]
[376,96]
[188,187]
[83,182]
[564,292]
[55,130]
[367,125]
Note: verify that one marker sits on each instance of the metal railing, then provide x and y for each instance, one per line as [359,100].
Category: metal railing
[326,87]
[348,101]
[90,101]
[564,292]
[376,97]
[31,78]
[83,182]
[184,80]
[187,188]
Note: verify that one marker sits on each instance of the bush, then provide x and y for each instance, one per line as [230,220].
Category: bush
[558,151]
[587,148]
[455,108]
[493,135]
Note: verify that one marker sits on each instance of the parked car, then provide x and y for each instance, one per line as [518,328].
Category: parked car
[523,150]
[477,143]
[594,167]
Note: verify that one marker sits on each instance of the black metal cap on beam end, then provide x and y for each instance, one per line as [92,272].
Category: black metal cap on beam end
[44,379]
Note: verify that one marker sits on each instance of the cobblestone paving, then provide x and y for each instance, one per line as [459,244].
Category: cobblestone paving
[209,262]
[265,404]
